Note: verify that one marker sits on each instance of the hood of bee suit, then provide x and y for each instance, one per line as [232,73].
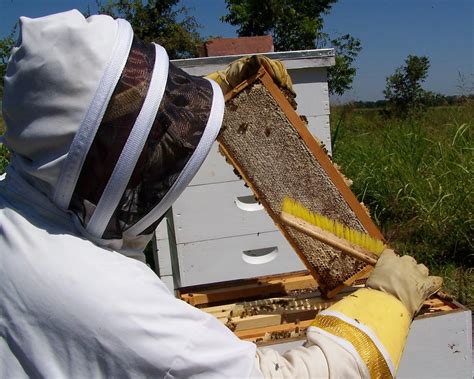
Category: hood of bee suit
[104,125]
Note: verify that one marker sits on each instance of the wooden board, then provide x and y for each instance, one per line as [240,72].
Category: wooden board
[237,257]
[218,200]
[439,346]
[279,308]
[265,287]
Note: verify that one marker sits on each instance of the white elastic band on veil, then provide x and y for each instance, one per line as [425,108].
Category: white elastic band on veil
[211,131]
[85,135]
[127,161]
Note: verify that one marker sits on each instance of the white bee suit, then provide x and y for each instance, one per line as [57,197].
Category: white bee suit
[71,309]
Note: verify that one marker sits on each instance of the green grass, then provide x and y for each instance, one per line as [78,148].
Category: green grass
[415,175]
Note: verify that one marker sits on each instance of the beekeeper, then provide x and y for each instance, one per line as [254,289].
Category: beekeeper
[104,135]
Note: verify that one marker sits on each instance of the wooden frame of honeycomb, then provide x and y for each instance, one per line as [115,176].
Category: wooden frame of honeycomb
[272,149]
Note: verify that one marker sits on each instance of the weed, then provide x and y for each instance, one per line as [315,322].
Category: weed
[416,177]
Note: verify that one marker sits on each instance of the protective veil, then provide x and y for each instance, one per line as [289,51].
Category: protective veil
[105,134]
[137,128]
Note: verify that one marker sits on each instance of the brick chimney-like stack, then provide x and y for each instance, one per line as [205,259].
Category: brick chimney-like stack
[238,46]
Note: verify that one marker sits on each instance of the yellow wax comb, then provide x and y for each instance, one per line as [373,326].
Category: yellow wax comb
[353,242]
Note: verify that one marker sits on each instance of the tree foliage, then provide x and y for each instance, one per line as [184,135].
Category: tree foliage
[161,21]
[6,45]
[403,90]
[296,25]
[341,75]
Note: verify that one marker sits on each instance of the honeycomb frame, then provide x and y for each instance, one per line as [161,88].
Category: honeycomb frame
[273,150]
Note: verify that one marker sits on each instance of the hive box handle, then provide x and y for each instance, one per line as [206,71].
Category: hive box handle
[248,203]
[260,256]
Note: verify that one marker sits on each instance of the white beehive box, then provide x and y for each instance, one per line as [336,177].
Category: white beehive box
[217,217]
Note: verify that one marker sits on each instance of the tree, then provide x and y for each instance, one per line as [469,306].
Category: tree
[341,75]
[6,46]
[403,90]
[160,21]
[296,25]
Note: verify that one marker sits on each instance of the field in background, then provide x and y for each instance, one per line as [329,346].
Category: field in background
[415,176]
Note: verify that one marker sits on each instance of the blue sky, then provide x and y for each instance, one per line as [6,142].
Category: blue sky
[389,30]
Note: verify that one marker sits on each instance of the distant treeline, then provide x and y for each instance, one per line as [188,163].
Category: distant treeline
[430,100]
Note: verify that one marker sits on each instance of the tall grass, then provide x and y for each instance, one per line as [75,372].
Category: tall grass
[416,177]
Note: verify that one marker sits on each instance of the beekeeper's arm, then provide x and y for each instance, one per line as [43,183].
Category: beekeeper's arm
[364,334]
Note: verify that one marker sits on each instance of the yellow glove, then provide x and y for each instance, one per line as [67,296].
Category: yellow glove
[242,69]
[375,321]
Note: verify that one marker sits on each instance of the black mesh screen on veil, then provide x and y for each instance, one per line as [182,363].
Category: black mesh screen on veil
[174,136]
